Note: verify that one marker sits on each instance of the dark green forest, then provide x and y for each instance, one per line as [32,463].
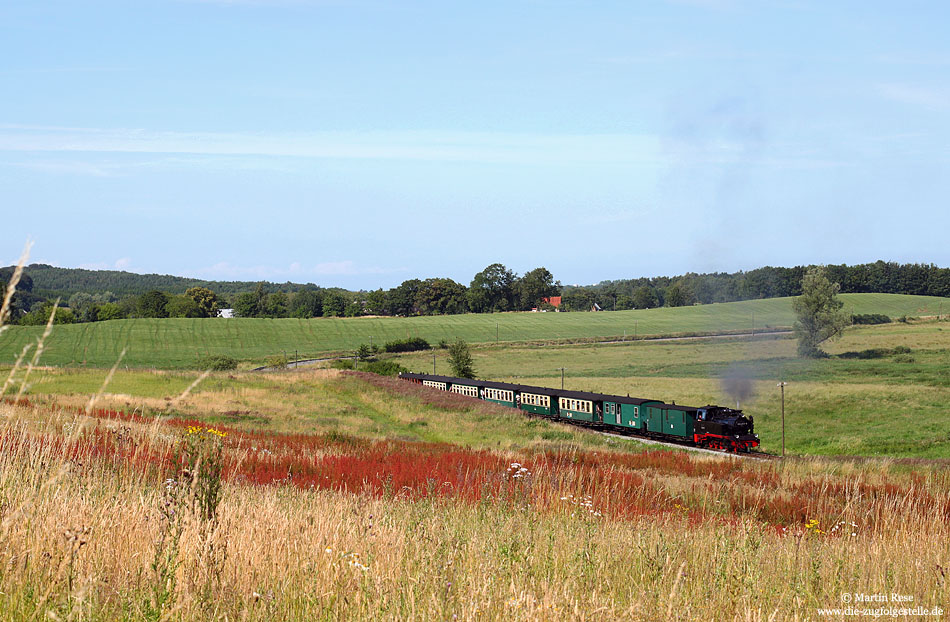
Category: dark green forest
[98,295]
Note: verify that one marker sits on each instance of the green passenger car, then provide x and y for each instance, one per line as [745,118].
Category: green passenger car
[580,406]
[499,393]
[536,400]
[678,420]
[627,412]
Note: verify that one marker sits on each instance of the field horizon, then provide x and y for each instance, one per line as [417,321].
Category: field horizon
[181,343]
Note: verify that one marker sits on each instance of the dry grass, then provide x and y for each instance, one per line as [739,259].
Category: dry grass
[80,532]
[104,516]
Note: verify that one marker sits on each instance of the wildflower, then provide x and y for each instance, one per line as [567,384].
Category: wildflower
[517,471]
[328,550]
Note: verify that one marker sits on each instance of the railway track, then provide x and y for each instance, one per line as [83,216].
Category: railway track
[753,455]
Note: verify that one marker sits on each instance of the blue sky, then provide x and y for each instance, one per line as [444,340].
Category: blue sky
[361,143]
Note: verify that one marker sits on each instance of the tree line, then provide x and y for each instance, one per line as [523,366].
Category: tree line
[494,289]
[768,282]
[52,282]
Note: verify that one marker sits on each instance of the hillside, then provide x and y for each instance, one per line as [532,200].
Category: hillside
[52,282]
[178,343]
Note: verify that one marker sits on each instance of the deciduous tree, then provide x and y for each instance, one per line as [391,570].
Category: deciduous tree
[307,303]
[152,304]
[333,304]
[678,295]
[492,289]
[206,300]
[535,285]
[820,315]
[460,360]
[440,296]
[644,298]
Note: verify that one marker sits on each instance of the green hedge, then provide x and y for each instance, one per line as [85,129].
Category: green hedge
[407,345]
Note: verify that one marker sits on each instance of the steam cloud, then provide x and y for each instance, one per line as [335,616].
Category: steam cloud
[737,383]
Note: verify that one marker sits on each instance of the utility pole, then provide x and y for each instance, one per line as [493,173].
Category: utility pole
[782,386]
[433,363]
[562,377]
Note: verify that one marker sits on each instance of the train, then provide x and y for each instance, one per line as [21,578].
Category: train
[712,427]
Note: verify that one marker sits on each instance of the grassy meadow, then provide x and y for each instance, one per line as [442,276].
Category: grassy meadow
[316,494]
[893,405]
[116,515]
[180,343]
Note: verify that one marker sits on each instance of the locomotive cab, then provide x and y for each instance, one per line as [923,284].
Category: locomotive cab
[718,427]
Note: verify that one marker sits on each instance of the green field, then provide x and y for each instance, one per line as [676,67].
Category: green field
[894,404]
[179,343]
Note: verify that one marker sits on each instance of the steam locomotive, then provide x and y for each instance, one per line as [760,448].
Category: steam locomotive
[714,427]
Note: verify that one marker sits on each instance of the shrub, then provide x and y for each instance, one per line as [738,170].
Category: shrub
[870,318]
[407,345]
[277,360]
[384,368]
[381,368]
[366,353]
[871,353]
[876,353]
[218,362]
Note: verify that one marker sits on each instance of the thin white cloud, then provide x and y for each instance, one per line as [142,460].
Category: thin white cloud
[254,149]
[62,69]
[69,168]
[933,98]
[904,58]
[510,148]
